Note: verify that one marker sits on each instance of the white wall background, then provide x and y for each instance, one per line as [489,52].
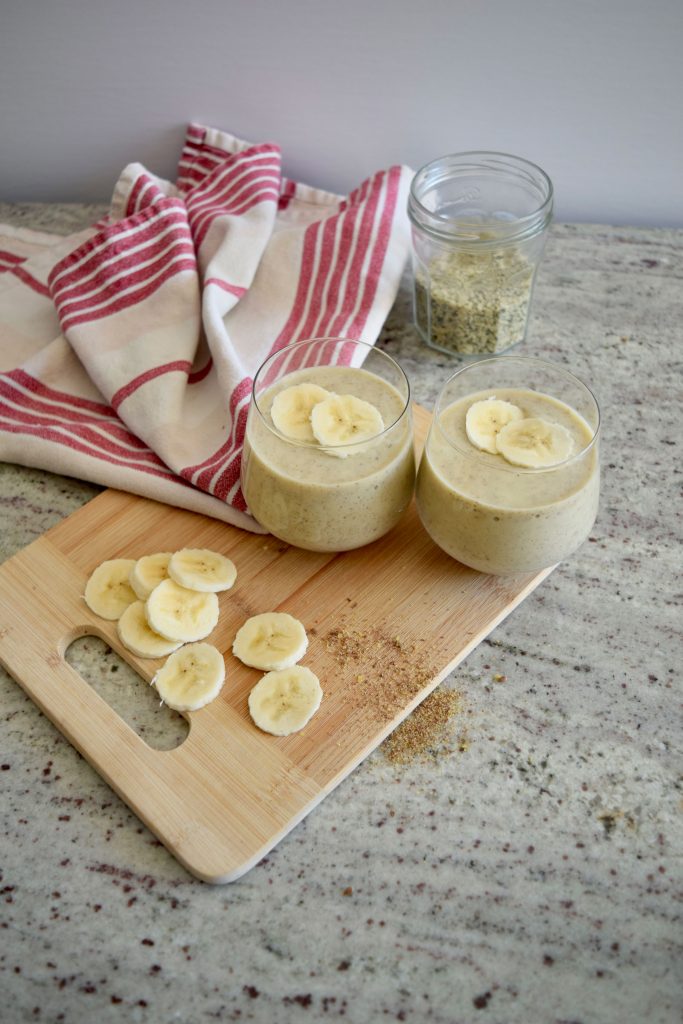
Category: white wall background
[592,90]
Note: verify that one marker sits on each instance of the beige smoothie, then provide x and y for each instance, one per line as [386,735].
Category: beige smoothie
[502,518]
[317,500]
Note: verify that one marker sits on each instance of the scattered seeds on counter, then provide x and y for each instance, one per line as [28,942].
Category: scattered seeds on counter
[427,731]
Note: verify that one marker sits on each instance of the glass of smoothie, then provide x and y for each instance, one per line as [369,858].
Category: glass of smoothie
[328,461]
[510,476]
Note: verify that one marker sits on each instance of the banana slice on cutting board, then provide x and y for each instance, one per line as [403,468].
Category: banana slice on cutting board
[201,569]
[108,592]
[148,572]
[191,677]
[136,634]
[534,443]
[291,410]
[272,640]
[181,614]
[343,420]
[486,418]
[284,701]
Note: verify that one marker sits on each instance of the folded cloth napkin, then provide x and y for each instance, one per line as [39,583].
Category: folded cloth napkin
[127,351]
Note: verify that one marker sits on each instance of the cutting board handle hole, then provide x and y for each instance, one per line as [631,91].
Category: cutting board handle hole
[126,693]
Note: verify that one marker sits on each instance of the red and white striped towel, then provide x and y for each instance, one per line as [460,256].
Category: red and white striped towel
[127,351]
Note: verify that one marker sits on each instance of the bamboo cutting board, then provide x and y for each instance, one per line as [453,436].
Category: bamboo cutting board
[386,624]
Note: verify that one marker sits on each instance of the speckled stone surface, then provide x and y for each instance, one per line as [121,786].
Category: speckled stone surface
[530,873]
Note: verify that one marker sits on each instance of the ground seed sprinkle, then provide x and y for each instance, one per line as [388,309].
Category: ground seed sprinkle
[427,732]
[387,673]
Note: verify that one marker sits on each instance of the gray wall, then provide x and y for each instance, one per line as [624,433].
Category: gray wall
[592,90]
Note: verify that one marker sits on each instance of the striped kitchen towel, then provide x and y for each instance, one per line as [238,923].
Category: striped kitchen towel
[127,351]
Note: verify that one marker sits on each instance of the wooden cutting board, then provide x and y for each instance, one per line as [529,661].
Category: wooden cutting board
[386,624]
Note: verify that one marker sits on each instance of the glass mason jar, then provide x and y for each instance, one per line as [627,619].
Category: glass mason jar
[479,222]
[501,516]
[328,495]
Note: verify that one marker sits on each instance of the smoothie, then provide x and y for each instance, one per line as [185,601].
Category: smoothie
[313,497]
[502,518]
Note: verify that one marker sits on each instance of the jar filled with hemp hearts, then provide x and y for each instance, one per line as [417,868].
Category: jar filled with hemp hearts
[479,222]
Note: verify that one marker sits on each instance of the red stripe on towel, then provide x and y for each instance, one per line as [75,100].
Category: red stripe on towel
[108,446]
[125,277]
[287,194]
[132,298]
[379,251]
[241,392]
[171,238]
[112,425]
[199,375]
[233,289]
[115,239]
[179,366]
[39,388]
[32,282]
[11,257]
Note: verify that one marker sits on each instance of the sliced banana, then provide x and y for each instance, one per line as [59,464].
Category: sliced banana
[137,636]
[291,410]
[201,569]
[534,443]
[485,418]
[284,701]
[344,420]
[149,571]
[108,592]
[272,640]
[181,614]
[191,677]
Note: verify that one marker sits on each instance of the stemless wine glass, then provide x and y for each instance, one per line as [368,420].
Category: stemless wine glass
[489,513]
[329,497]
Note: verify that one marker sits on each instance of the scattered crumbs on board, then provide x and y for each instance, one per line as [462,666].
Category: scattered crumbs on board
[428,732]
[388,672]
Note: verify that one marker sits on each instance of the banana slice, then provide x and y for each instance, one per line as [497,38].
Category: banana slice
[485,418]
[534,442]
[283,702]
[108,592]
[344,419]
[191,677]
[272,640]
[200,569]
[181,614]
[148,571]
[291,410]
[137,636]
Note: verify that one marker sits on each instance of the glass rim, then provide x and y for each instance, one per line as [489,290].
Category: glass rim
[480,159]
[316,446]
[529,361]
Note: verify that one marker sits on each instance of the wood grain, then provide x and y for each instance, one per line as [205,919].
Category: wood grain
[229,792]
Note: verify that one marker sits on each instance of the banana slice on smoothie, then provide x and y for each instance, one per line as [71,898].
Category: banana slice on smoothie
[291,410]
[136,634]
[343,420]
[108,592]
[484,419]
[271,640]
[283,702]
[181,614]
[534,443]
[191,677]
[148,572]
[201,569]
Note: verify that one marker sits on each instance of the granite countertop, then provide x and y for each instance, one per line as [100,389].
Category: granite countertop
[529,871]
